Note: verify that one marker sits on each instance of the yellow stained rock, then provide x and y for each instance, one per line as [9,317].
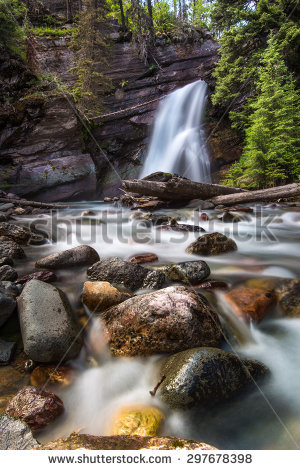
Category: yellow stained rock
[138,420]
[100,295]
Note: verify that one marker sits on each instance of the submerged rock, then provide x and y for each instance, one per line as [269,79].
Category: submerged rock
[144,258]
[50,330]
[138,420]
[212,244]
[188,272]
[42,376]
[86,441]
[82,255]
[182,228]
[288,294]
[101,295]
[8,293]
[15,434]
[211,284]
[165,321]
[7,273]
[45,276]
[251,303]
[10,249]
[34,406]
[124,273]
[205,376]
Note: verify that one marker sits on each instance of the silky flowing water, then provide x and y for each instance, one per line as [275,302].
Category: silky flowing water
[268,417]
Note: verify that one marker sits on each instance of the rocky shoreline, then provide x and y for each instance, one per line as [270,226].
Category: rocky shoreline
[40,330]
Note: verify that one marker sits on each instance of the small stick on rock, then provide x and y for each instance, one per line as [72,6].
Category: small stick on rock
[153,392]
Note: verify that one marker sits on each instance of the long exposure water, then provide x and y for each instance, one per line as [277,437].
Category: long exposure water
[268,417]
[178,143]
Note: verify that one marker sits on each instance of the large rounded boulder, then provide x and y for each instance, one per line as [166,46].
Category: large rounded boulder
[82,255]
[50,330]
[205,376]
[165,321]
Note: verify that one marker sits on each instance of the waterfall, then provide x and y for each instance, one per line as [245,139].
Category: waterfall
[178,143]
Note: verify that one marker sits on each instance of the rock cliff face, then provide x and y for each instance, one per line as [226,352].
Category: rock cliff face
[46,153]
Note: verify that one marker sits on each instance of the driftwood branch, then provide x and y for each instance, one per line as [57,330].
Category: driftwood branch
[24,202]
[270,194]
[177,188]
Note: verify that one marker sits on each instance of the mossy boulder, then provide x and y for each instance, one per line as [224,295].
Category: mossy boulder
[211,244]
[138,420]
[205,377]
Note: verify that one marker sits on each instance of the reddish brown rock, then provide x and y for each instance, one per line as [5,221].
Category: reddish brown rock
[45,276]
[86,441]
[251,303]
[34,406]
[144,258]
[165,321]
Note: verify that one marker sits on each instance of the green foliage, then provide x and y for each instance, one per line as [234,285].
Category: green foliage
[271,155]
[163,17]
[12,14]
[245,28]
[91,46]
[47,31]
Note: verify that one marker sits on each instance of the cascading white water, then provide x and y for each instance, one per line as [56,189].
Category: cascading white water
[178,143]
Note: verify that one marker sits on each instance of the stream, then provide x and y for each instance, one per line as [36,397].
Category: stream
[267,417]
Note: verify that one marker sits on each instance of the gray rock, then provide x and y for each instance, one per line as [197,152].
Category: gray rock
[7,273]
[82,255]
[6,206]
[15,434]
[6,260]
[212,244]
[8,294]
[3,217]
[189,272]
[165,321]
[10,249]
[206,377]
[50,330]
[6,351]
[19,234]
[130,275]
[206,205]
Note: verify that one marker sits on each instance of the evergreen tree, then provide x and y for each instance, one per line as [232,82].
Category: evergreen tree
[91,45]
[271,156]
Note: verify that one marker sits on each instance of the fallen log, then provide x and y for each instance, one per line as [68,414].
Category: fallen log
[177,188]
[270,194]
[24,202]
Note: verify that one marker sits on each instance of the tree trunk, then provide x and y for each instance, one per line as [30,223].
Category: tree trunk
[177,188]
[24,202]
[122,15]
[150,16]
[270,194]
[69,10]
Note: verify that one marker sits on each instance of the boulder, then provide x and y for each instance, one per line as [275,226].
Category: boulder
[86,441]
[82,255]
[50,330]
[288,294]
[144,258]
[129,275]
[182,228]
[35,406]
[20,235]
[138,420]
[10,249]
[101,295]
[45,276]
[7,273]
[165,321]
[211,244]
[8,293]
[6,351]
[6,261]
[205,377]
[251,303]
[189,272]
[15,434]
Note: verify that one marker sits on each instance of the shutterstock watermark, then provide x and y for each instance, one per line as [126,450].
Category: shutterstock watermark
[126,228]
